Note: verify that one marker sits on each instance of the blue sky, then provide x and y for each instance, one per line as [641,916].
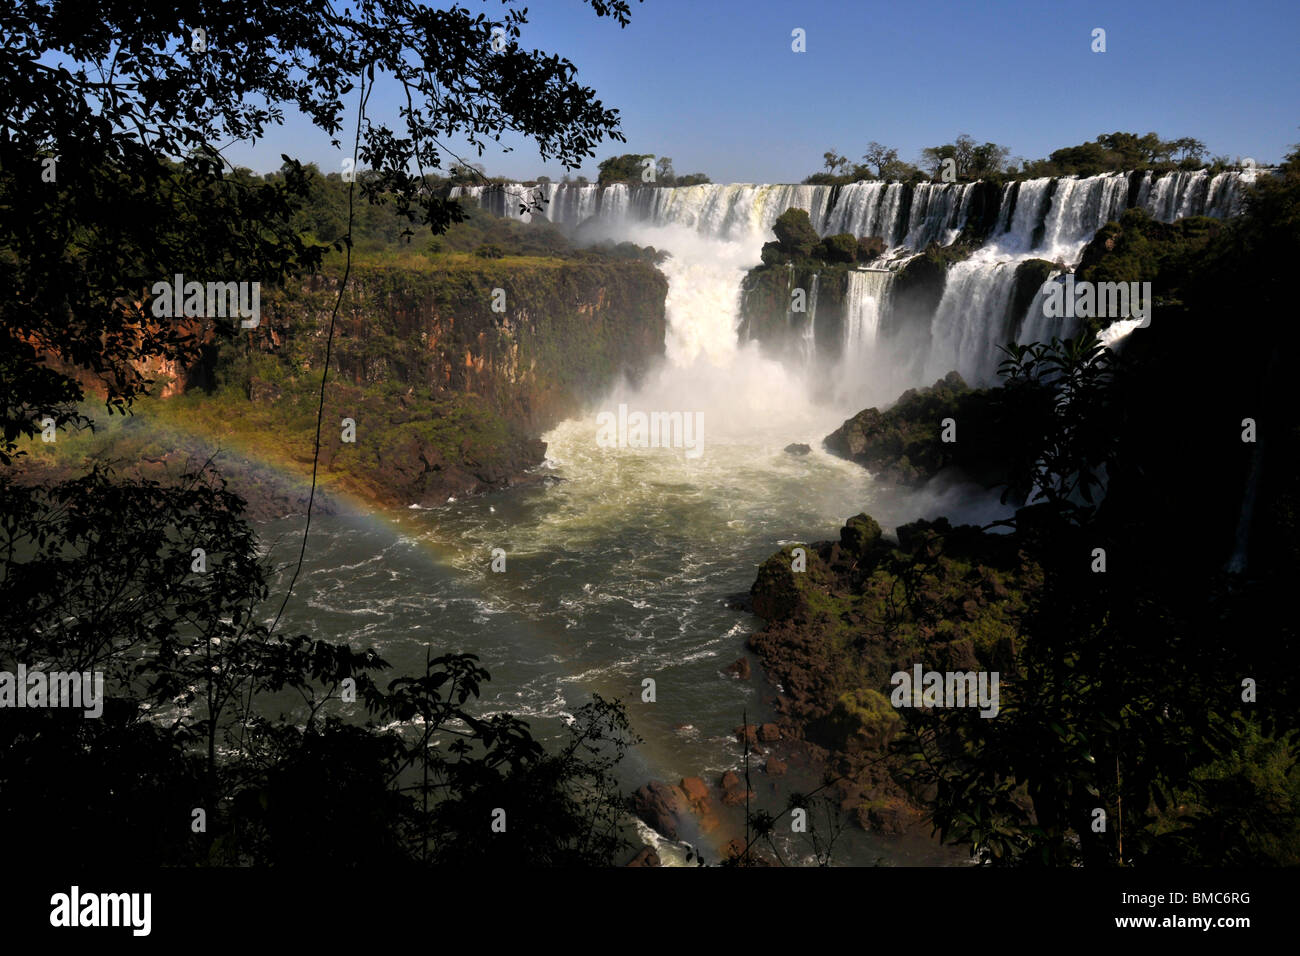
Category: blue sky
[716,86]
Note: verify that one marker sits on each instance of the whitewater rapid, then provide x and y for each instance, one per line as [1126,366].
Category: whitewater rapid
[716,232]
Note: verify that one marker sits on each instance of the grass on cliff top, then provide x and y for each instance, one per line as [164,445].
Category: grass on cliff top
[281,433]
[420,261]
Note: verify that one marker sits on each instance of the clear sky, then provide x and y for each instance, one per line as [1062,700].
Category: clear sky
[715,85]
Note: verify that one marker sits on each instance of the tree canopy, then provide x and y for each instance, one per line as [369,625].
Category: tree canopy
[112,178]
[112,175]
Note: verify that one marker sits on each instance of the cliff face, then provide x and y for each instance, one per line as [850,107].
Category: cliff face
[904,443]
[765,307]
[834,633]
[450,374]
[529,338]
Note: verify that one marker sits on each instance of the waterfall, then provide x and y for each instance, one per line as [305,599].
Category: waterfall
[937,214]
[863,307]
[808,340]
[971,321]
[1080,207]
[1037,326]
[1067,209]
[1021,223]
[1050,218]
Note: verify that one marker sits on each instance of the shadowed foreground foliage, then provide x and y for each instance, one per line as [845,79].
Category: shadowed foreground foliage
[204,708]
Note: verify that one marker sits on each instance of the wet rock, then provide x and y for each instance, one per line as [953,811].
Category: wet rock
[775,767]
[740,668]
[769,733]
[859,535]
[660,806]
[742,601]
[696,790]
[734,791]
[795,448]
[647,857]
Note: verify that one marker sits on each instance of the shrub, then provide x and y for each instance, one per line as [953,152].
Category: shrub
[839,248]
[795,232]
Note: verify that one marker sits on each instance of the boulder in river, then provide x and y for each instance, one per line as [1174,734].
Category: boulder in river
[660,806]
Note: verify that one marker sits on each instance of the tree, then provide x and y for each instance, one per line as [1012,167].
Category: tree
[1132,151]
[693,179]
[627,168]
[112,179]
[1188,149]
[133,110]
[108,583]
[664,175]
[1122,736]
[795,233]
[834,162]
[987,160]
[883,158]
[971,160]
[933,158]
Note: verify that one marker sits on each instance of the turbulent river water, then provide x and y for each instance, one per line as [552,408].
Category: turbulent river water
[619,571]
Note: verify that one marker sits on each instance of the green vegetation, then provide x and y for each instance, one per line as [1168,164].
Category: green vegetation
[633,169]
[902,443]
[971,161]
[795,233]
[1134,688]
[1123,152]
[881,162]
[296,751]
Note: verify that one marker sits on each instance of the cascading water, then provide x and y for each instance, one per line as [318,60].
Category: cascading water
[1046,218]
[936,212]
[1078,209]
[617,571]
[971,321]
[865,301]
[808,338]
[1037,326]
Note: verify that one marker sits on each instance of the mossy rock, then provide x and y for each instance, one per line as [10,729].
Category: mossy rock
[861,719]
[780,592]
[838,248]
[795,232]
[860,535]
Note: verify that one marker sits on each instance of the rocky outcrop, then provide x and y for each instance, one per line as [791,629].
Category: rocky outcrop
[740,668]
[905,444]
[645,857]
[835,631]
[676,812]
[440,380]
[660,806]
[734,791]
